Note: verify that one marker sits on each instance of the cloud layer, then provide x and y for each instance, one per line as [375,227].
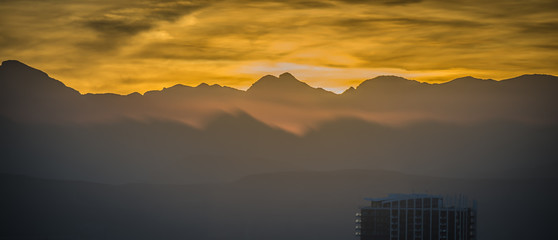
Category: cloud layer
[126,46]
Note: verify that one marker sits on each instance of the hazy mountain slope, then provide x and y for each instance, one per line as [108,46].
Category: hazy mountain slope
[30,95]
[496,148]
[528,98]
[232,146]
[131,151]
[290,205]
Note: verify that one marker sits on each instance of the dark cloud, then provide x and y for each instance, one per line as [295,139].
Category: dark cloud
[198,50]
[172,10]
[539,28]
[385,2]
[311,4]
[9,42]
[191,51]
[118,23]
[552,47]
[361,22]
[290,4]
[328,4]
[112,32]
[116,27]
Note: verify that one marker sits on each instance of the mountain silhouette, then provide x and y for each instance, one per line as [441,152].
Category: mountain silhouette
[285,101]
[19,78]
[285,85]
[200,90]
[469,79]
[285,82]
[387,83]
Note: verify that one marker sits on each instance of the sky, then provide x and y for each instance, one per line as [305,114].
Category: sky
[129,46]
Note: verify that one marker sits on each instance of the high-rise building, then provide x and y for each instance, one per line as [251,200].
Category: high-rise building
[417,217]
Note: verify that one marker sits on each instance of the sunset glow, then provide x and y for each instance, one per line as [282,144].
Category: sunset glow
[129,46]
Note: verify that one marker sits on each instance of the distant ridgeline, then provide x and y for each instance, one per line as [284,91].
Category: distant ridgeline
[30,95]
[467,127]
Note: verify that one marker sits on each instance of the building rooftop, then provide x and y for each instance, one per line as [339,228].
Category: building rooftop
[448,201]
[402,196]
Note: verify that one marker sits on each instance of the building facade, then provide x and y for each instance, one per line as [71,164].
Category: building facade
[417,217]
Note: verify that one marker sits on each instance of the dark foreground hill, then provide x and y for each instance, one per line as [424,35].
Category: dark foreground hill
[289,205]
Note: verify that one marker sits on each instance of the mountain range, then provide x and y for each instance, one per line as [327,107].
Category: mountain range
[29,95]
[467,127]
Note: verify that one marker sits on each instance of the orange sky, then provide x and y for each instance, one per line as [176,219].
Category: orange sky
[127,46]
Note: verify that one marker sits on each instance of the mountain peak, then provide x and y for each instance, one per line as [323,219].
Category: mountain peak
[287,75]
[18,81]
[467,78]
[176,87]
[469,83]
[205,85]
[349,90]
[285,81]
[13,63]
[534,77]
[14,66]
[387,82]
[389,78]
